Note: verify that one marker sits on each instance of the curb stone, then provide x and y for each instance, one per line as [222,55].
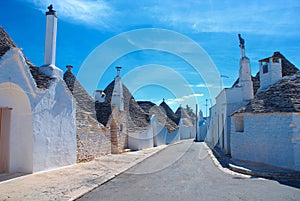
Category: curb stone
[233,167]
[217,163]
[271,175]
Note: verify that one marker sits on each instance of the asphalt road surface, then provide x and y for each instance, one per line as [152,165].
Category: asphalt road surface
[184,171]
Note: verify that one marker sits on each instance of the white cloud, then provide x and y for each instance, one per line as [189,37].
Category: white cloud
[202,85]
[229,16]
[93,13]
[183,98]
[192,16]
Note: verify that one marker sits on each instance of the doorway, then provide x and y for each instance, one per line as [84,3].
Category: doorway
[5,119]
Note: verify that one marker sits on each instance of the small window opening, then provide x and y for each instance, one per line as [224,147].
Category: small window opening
[239,124]
[265,68]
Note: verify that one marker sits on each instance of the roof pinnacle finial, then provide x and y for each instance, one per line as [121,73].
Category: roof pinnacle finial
[118,70]
[69,67]
[50,10]
[242,45]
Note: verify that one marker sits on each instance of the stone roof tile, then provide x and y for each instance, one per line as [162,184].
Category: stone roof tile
[169,112]
[151,108]
[42,81]
[284,96]
[182,114]
[84,101]
[138,120]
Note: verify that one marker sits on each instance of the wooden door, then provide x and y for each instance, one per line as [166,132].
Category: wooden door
[5,120]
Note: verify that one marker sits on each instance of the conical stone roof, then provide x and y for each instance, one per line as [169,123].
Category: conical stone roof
[183,115]
[85,103]
[284,96]
[6,43]
[138,120]
[169,112]
[152,109]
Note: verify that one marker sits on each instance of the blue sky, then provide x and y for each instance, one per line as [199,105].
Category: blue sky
[267,26]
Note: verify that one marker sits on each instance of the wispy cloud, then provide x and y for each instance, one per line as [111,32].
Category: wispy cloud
[192,16]
[183,98]
[95,13]
[230,16]
[202,85]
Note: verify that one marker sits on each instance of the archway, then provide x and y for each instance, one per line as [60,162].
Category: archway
[17,128]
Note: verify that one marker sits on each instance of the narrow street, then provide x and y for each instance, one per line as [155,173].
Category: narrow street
[184,171]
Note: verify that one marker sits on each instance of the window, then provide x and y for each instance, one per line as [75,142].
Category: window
[275,60]
[239,124]
[265,68]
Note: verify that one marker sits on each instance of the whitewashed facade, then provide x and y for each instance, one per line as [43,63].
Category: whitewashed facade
[41,124]
[271,138]
[227,101]
[38,130]
[267,129]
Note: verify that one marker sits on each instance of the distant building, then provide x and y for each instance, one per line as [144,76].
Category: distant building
[121,108]
[37,113]
[186,126]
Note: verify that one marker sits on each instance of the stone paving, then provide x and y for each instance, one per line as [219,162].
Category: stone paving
[71,182]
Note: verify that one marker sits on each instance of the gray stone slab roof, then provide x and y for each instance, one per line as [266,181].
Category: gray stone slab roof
[42,81]
[183,115]
[151,108]
[138,119]
[169,112]
[146,105]
[85,103]
[5,42]
[284,96]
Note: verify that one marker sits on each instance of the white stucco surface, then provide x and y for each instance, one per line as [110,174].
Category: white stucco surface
[271,138]
[50,41]
[21,131]
[273,75]
[160,132]
[218,132]
[227,101]
[55,129]
[158,135]
[142,140]
[43,130]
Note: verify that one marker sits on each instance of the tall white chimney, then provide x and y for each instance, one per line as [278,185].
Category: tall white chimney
[50,41]
[49,67]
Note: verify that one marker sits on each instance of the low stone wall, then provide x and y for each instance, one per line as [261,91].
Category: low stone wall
[93,139]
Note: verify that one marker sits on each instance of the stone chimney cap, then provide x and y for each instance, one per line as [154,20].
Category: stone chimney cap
[118,70]
[69,67]
[50,10]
